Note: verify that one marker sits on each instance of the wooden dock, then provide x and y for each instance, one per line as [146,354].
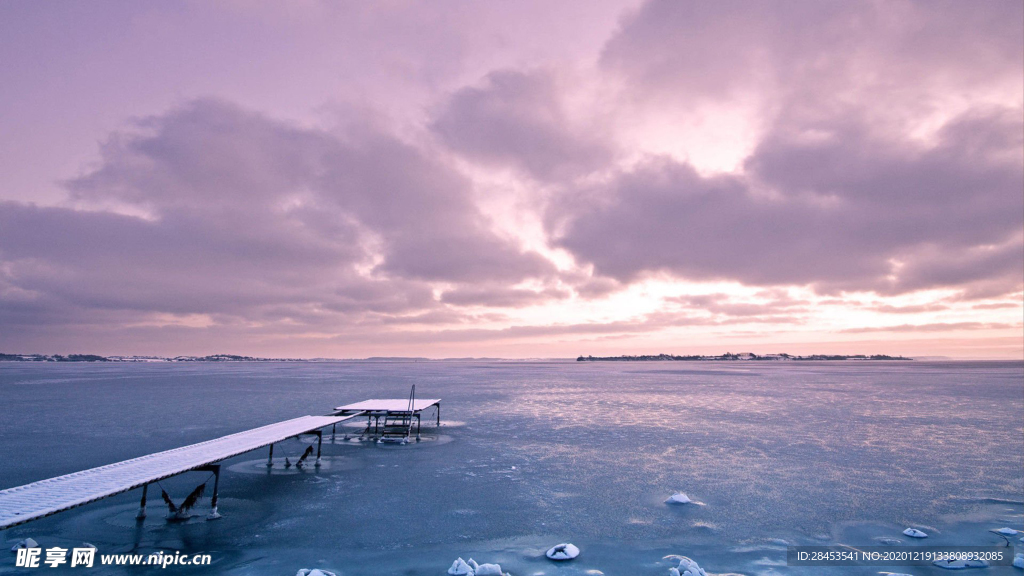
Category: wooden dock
[40,499]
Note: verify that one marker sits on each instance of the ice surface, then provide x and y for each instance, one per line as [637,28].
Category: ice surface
[787,452]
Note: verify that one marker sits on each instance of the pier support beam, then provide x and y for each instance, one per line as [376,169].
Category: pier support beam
[214,515]
[319,443]
[270,458]
[142,504]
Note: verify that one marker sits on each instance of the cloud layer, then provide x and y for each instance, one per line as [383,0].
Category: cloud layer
[775,166]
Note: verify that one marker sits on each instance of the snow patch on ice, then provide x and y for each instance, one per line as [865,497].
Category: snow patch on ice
[687,567]
[488,570]
[314,572]
[678,498]
[26,543]
[460,568]
[563,551]
[471,568]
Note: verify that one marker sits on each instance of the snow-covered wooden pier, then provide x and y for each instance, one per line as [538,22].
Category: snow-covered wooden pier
[398,415]
[40,499]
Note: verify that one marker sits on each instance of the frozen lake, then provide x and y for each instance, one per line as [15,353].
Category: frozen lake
[531,454]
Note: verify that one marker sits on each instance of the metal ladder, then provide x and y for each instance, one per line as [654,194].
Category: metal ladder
[398,425]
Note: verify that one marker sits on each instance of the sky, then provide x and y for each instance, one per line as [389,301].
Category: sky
[512,178]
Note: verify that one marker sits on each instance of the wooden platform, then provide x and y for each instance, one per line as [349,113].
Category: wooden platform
[388,405]
[400,416]
[38,499]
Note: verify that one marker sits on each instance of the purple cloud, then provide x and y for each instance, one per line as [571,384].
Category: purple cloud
[518,119]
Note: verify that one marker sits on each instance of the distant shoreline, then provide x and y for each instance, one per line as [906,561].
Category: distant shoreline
[747,356]
[236,358]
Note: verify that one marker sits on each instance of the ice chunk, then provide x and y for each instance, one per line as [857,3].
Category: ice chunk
[914,533]
[688,567]
[460,568]
[472,564]
[678,498]
[488,570]
[563,552]
[1018,560]
[1007,531]
[26,543]
[673,571]
[314,572]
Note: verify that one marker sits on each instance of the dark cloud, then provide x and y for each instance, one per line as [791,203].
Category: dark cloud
[247,216]
[726,305]
[518,119]
[821,54]
[500,296]
[997,306]
[842,191]
[855,211]
[910,309]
